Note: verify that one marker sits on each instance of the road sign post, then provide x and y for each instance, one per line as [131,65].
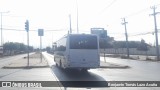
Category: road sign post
[40,33]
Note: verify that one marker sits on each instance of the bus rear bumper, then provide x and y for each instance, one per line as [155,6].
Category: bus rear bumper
[83,66]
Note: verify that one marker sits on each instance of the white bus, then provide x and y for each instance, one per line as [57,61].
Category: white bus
[77,51]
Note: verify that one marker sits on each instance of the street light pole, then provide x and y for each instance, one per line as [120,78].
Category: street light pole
[1,28]
[1,31]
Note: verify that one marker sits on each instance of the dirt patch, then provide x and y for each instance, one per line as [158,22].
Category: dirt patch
[34,62]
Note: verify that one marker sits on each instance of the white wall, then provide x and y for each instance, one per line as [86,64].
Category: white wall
[132,51]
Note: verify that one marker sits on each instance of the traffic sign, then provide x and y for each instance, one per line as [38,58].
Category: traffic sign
[40,32]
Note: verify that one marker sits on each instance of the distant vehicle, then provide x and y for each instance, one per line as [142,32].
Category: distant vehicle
[1,50]
[77,51]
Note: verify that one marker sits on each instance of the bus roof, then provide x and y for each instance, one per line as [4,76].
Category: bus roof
[75,35]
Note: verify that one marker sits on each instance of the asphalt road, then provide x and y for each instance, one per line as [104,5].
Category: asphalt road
[138,71]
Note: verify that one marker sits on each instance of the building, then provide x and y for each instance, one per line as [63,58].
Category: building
[100,32]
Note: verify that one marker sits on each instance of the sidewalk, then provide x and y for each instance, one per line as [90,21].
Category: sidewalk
[112,65]
[106,64]
[132,57]
[34,62]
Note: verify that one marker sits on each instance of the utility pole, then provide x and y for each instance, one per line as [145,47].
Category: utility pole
[1,27]
[1,31]
[156,31]
[124,23]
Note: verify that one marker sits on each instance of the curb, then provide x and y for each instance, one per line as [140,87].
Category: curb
[120,67]
[112,65]
[25,67]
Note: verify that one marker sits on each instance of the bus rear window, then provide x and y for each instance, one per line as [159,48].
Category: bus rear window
[83,42]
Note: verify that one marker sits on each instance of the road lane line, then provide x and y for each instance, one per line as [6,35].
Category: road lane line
[51,63]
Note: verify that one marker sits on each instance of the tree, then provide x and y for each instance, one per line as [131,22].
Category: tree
[48,49]
[16,47]
[9,46]
[104,43]
[143,46]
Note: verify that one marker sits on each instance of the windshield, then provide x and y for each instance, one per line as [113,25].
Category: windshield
[83,42]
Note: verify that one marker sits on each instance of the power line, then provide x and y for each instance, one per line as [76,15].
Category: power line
[109,5]
[134,35]
[136,13]
[140,11]
[46,30]
[1,27]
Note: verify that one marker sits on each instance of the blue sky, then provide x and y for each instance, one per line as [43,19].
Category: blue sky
[54,15]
